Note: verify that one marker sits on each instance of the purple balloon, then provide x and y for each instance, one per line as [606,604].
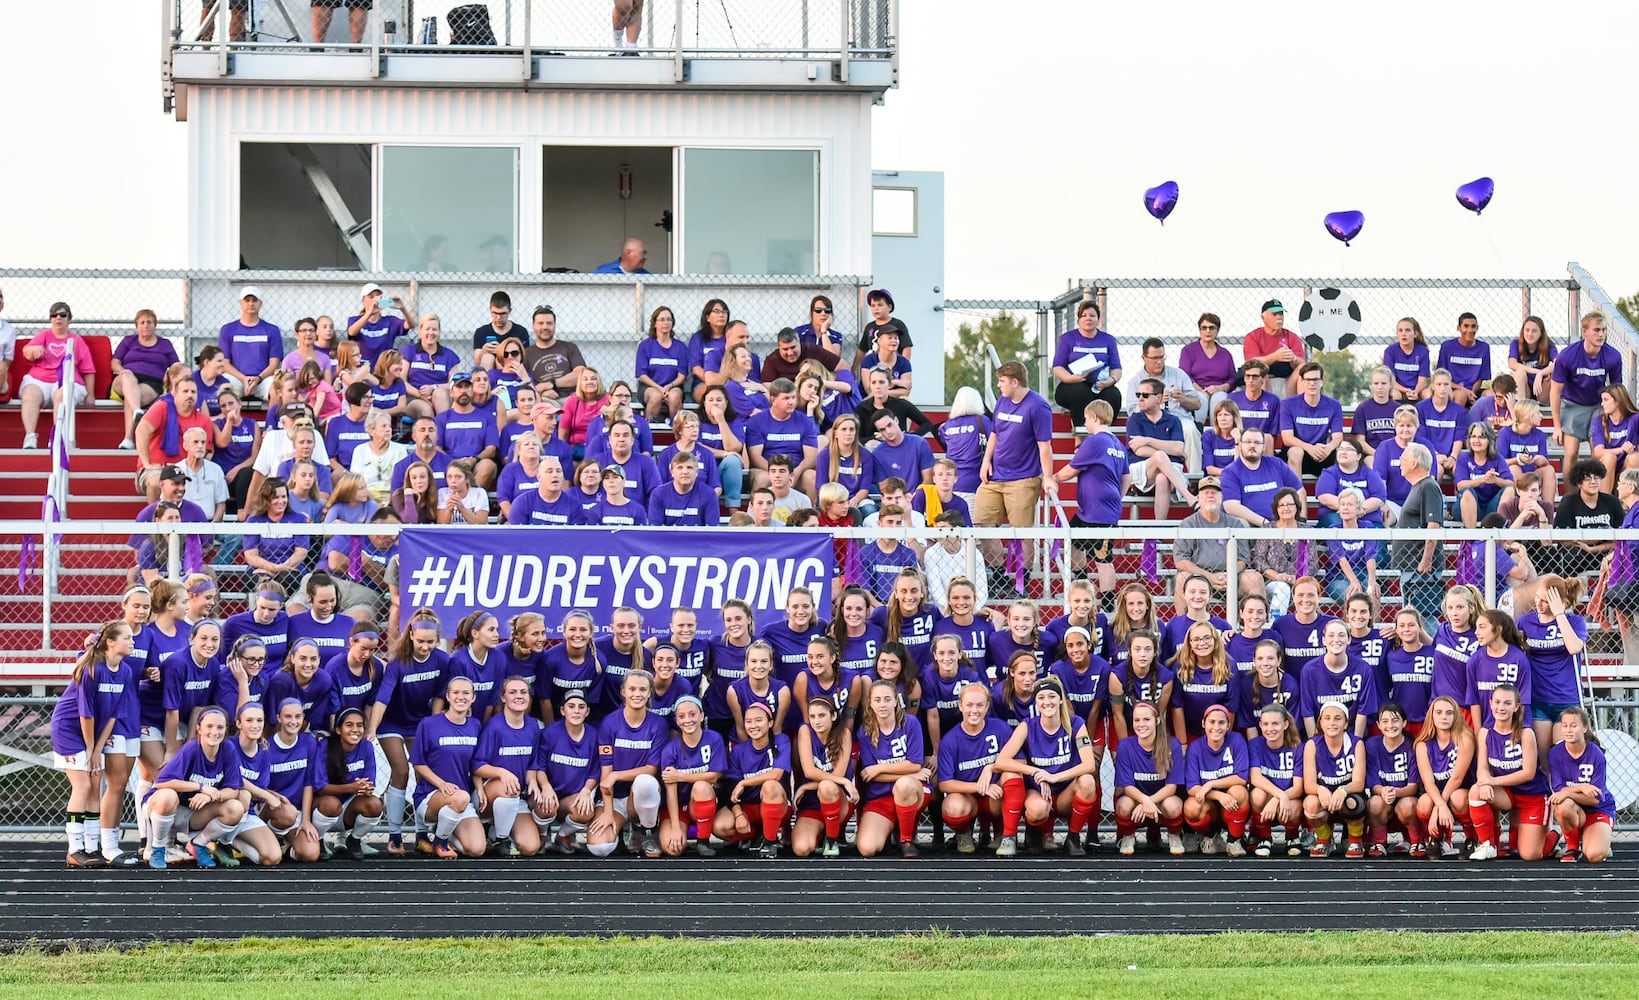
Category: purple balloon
[1475,195]
[1345,226]
[1160,200]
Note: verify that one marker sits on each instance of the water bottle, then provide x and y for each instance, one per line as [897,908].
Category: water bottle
[429,31]
[505,397]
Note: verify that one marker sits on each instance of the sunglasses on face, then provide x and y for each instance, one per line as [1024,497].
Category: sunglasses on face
[1146,395]
[822,311]
[59,315]
[513,354]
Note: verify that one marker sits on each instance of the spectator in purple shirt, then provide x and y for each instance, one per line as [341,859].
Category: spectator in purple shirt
[1407,360]
[254,347]
[1580,372]
[896,453]
[1311,424]
[1260,408]
[1086,365]
[1373,418]
[1018,463]
[1614,434]
[1099,470]
[1443,421]
[464,431]
[374,330]
[1531,358]
[140,363]
[1209,365]
[1467,359]
[1250,484]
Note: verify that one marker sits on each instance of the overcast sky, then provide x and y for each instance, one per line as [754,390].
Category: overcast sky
[1049,120]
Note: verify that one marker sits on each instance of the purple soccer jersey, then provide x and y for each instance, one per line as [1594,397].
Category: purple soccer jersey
[1279,765]
[1203,765]
[501,745]
[728,664]
[330,634]
[1452,650]
[1391,768]
[859,651]
[569,763]
[407,690]
[1485,672]
[1135,767]
[192,763]
[748,762]
[1053,751]
[1588,769]
[975,638]
[899,745]
[1352,688]
[1553,669]
[1085,689]
[294,768]
[188,685]
[486,676]
[790,647]
[1300,642]
[1335,770]
[963,756]
[1411,680]
[915,631]
[623,746]
[1247,698]
[563,675]
[446,748]
[943,695]
[1505,757]
[707,755]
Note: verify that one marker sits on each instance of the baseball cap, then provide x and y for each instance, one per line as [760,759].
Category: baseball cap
[1273,306]
[575,694]
[1208,483]
[250,292]
[545,406]
[614,469]
[173,474]
[460,376]
[370,287]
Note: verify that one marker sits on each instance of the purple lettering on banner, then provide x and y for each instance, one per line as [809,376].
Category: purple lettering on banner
[509,571]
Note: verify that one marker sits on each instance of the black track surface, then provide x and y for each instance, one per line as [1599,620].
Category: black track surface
[42,900]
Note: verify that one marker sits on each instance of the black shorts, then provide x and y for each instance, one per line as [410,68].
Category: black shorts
[1099,550]
[156,384]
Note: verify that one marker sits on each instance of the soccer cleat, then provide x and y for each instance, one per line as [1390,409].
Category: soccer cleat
[156,859]
[832,848]
[84,859]
[1377,851]
[651,842]
[1072,846]
[965,844]
[124,859]
[1264,848]
[1354,850]
[1570,857]
[1235,848]
[363,849]
[201,854]
[395,845]
[1007,847]
[1125,845]
[1175,844]
[1211,845]
[564,845]
[1401,848]
[1033,840]
[1447,850]
[1319,850]
[770,850]
[704,849]
[907,849]
[1418,852]
[1484,851]
[224,855]
[443,849]
[426,845]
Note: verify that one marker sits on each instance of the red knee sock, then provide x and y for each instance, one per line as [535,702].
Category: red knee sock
[1293,831]
[1380,834]
[1012,807]
[1124,826]
[987,822]
[831,813]
[1573,838]
[1174,824]
[1415,831]
[704,811]
[1093,817]
[907,821]
[773,817]
[1081,810]
[957,824]
[1549,842]
[1469,830]
[1484,820]
[1203,826]
[1262,828]
[1235,822]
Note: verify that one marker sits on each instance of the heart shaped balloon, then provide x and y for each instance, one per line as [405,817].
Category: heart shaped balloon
[1345,226]
[1475,195]
[1160,200]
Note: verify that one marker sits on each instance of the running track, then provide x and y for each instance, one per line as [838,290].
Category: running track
[1102,894]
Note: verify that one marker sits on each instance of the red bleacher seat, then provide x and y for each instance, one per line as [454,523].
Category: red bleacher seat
[102,352]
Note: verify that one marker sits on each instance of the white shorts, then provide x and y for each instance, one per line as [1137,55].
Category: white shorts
[421,813]
[73,762]
[47,389]
[282,831]
[128,746]
[153,734]
[249,823]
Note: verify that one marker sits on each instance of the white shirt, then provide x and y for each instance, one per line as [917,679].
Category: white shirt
[8,340]
[377,470]
[1171,378]
[476,499]
[207,487]
[277,446]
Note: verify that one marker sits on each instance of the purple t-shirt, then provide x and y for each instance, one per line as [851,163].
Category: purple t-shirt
[660,363]
[975,638]
[192,764]
[1386,463]
[1280,766]
[1584,377]
[251,349]
[531,508]
[486,676]
[907,460]
[696,508]
[628,515]
[464,435]
[1085,689]
[1203,764]
[1374,421]
[1485,673]
[1194,692]
[351,690]
[781,437]
[1452,651]
[375,338]
[1589,769]
[1411,680]
[1395,768]
[890,747]
[1407,368]
[1248,698]
[1441,430]
[1135,767]
[188,685]
[1553,670]
[1614,436]
[500,745]
[1020,428]
[277,549]
[447,749]
[407,690]
[919,503]
[314,695]
[623,746]
[1351,688]
[881,568]
[964,439]
[1312,424]
[1052,751]
[440,463]
[1216,452]
[342,435]
[432,369]
[1513,445]
[150,362]
[1299,643]
[1506,757]
[709,754]
[963,756]
[1202,370]
[1100,461]
[569,763]
[747,762]
[1470,365]
[1334,770]
[111,694]
[1468,469]
[1072,347]
[858,473]
[331,635]
[1262,414]
[1256,488]
[1333,481]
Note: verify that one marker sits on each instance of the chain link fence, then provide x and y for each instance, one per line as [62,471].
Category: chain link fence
[51,600]
[605,316]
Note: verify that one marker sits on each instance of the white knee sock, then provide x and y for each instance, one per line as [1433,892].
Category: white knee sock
[248,851]
[74,829]
[646,800]
[363,826]
[569,827]
[160,828]
[601,850]
[324,824]
[448,820]
[111,842]
[92,834]
[141,792]
[214,830]
[395,810]
[506,812]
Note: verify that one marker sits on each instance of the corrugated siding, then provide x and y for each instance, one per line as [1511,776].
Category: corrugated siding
[219,118]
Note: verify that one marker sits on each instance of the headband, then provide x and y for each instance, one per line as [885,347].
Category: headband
[272,595]
[292,701]
[1216,708]
[1078,630]
[204,586]
[344,713]
[136,588]
[424,625]
[210,710]
[759,705]
[690,699]
[299,643]
[364,635]
[664,645]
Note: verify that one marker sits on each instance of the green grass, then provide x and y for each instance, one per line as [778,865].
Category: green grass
[1310,966]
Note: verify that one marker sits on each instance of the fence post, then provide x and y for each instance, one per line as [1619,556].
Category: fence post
[1491,572]
[1232,581]
[173,556]
[1044,351]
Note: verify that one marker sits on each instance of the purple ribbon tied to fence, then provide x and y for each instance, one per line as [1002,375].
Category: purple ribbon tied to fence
[25,556]
[1301,561]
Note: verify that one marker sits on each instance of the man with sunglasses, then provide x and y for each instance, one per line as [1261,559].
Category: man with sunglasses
[374,330]
[1260,408]
[554,364]
[1179,397]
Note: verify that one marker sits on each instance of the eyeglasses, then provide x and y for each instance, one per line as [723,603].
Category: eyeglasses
[252,659]
[1200,638]
[1209,326]
[1155,357]
[1146,395]
[821,310]
[1313,378]
[59,315]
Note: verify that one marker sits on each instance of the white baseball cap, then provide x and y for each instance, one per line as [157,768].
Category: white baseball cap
[250,292]
[370,287]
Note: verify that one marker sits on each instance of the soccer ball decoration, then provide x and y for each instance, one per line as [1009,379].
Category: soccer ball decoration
[1329,319]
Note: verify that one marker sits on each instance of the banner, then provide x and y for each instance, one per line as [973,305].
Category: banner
[508,571]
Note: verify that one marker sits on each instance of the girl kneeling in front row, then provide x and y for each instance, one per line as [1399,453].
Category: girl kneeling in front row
[1334,782]
[198,789]
[1149,771]
[1582,800]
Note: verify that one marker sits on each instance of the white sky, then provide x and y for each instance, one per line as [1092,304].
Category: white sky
[1049,120]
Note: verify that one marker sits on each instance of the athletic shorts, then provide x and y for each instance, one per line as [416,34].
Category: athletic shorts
[422,820]
[1549,711]
[47,389]
[153,734]
[1598,817]
[80,761]
[1574,418]
[388,730]
[1529,810]
[129,746]
[883,806]
[337,4]
[1099,550]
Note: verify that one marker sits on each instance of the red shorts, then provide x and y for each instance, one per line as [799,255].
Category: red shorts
[883,805]
[1529,810]
[1593,818]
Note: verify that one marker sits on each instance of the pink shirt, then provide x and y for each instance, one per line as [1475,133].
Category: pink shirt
[577,417]
[51,361]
